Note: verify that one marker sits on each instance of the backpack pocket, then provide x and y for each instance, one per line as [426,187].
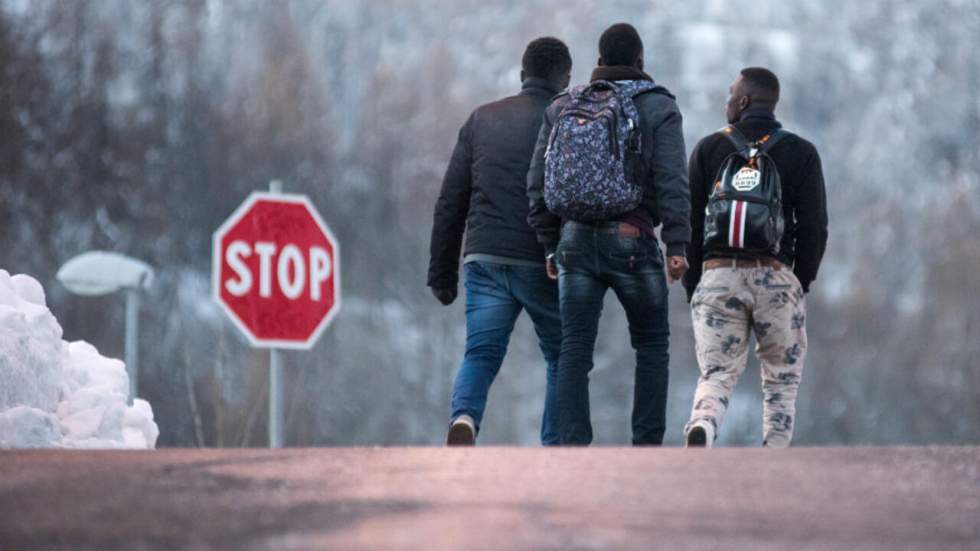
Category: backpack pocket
[756,227]
[635,255]
[739,223]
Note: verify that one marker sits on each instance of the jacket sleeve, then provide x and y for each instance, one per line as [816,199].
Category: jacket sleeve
[452,207]
[699,186]
[810,212]
[546,225]
[669,180]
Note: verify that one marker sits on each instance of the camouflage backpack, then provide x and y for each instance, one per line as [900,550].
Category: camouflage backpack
[594,167]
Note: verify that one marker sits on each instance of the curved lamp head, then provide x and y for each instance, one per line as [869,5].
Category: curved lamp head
[102,272]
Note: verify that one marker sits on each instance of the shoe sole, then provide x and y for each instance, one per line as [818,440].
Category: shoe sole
[461,434]
[697,438]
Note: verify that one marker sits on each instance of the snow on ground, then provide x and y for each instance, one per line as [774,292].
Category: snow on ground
[59,394]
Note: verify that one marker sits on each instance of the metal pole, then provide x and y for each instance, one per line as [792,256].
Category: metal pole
[275,399]
[276,414]
[132,332]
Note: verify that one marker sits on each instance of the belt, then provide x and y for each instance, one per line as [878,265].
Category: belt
[608,226]
[713,263]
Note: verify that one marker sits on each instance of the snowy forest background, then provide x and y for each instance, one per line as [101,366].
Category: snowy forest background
[138,126]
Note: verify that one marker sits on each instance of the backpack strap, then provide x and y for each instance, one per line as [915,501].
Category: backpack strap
[636,88]
[769,140]
[745,148]
[658,89]
[737,139]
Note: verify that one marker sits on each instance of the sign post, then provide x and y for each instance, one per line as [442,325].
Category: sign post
[276,273]
[277,418]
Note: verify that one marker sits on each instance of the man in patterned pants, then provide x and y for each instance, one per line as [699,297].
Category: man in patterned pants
[734,294]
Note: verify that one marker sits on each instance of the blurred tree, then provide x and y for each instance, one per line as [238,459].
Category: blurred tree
[138,127]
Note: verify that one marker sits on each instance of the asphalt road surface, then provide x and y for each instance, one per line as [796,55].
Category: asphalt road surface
[493,498]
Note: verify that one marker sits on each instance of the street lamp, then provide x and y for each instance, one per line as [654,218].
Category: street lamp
[101,273]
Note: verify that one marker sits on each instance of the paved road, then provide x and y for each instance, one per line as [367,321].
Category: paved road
[493,498]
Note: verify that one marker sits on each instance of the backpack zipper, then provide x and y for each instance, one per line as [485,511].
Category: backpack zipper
[746,199]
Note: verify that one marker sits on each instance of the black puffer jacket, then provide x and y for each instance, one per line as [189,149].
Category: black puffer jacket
[804,196]
[666,197]
[484,188]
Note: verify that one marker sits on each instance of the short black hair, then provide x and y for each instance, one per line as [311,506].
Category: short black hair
[546,57]
[761,85]
[620,45]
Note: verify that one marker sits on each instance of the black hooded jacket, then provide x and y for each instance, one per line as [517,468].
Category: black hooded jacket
[804,197]
[483,191]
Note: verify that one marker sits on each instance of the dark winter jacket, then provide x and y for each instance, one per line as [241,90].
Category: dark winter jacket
[804,198]
[484,188]
[666,197]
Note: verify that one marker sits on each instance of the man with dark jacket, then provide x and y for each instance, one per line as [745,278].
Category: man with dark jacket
[734,293]
[484,193]
[623,253]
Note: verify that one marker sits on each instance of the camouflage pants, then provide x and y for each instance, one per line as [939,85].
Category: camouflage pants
[727,305]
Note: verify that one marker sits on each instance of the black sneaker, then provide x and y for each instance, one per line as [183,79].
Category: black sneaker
[462,432]
[697,438]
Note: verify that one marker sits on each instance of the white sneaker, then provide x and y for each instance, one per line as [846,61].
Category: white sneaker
[462,432]
[701,435]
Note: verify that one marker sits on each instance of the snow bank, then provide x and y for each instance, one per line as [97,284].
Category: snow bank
[59,394]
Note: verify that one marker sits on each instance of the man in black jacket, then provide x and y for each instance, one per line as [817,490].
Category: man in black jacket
[622,254]
[734,293]
[484,194]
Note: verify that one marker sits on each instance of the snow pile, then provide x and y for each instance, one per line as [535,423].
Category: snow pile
[59,394]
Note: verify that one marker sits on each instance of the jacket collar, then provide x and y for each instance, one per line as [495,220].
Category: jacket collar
[535,86]
[619,72]
[757,113]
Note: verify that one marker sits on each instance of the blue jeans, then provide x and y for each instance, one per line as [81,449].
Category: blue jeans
[592,259]
[495,296]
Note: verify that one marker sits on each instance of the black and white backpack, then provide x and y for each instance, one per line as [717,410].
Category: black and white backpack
[745,209]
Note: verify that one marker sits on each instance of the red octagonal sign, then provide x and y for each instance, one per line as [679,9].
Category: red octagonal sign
[276,271]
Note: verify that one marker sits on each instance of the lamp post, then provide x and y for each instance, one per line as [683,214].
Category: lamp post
[98,273]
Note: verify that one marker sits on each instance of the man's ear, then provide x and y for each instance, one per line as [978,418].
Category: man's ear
[523,76]
[600,63]
[744,102]
[639,63]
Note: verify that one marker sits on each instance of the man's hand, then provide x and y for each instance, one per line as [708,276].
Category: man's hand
[445,296]
[676,266]
[551,267]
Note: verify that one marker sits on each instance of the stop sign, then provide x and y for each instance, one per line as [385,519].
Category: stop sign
[276,270]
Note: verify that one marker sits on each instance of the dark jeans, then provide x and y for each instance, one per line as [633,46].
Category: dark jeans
[592,259]
[495,295]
